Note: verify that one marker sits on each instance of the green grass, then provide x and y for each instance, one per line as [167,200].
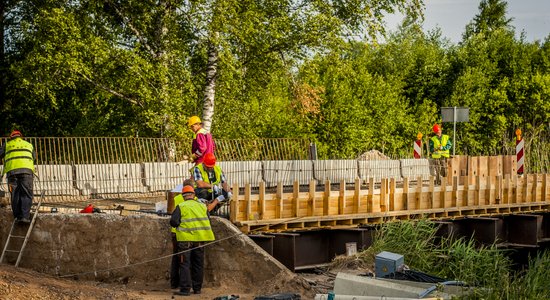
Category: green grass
[485,268]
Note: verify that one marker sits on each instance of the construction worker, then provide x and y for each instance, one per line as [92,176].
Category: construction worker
[203,142]
[19,157]
[439,148]
[210,181]
[192,223]
[174,266]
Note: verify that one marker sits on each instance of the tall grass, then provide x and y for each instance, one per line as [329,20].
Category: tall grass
[486,269]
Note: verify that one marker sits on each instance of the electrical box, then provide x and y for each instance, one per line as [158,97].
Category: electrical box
[387,263]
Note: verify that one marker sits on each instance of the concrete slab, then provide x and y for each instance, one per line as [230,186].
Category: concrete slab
[108,178]
[163,176]
[287,171]
[336,170]
[413,168]
[379,169]
[242,172]
[54,180]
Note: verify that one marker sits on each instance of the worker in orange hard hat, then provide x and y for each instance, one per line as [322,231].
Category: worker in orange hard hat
[203,142]
[210,181]
[439,144]
[192,229]
[19,157]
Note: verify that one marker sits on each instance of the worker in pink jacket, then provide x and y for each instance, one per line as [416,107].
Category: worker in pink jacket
[203,142]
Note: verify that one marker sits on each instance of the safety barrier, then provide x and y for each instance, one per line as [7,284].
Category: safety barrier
[152,177]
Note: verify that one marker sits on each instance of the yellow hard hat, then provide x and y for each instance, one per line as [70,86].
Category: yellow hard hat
[193,120]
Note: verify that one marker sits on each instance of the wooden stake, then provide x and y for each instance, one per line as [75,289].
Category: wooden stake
[261,202]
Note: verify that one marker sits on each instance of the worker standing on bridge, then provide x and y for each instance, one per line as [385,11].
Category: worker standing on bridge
[203,142]
[210,181]
[439,148]
[193,229]
[19,157]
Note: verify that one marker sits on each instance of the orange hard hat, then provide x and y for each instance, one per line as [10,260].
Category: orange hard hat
[187,189]
[15,133]
[209,160]
[436,128]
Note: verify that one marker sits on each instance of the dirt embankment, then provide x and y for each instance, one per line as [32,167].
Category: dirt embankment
[128,257]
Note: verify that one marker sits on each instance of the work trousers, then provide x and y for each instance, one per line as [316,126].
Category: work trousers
[191,266]
[204,194]
[439,167]
[21,189]
[174,266]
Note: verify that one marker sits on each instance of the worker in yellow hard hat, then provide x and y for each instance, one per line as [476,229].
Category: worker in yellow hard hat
[203,142]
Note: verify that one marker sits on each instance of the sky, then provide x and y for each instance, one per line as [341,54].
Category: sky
[531,16]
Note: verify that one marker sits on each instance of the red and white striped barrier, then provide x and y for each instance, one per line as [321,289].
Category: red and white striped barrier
[418,146]
[519,151]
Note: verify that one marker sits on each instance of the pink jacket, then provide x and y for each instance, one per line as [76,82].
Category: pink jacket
[202,143]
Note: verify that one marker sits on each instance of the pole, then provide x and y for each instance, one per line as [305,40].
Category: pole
[454,129]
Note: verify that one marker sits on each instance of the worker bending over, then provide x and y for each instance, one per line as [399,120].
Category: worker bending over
[210,181]
[193,229]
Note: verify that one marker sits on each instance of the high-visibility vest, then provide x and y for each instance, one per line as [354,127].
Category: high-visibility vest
[437,144]
[177,201]
[194,224]
[18,155]
[205,178]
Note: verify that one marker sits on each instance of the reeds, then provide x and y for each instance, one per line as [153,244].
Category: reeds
[486,269]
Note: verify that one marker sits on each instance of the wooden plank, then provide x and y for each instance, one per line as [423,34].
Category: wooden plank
[535,187]
[342,197]
[326,198]
[279,199]
[357,192]
[392,194]
[234,204]
[515,183]
[454,198]
[477,193]
[465,191]
[370,196]
[489,190]
[526,193]
[295,198]
[261,201]
[431,192]
[545,182]
[247,193]
[406,193]
[498,189]
[506,189]
[311,201]
[418,195]
[384,194]
[443,195]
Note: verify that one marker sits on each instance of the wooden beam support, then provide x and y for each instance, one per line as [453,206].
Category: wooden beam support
[261,202]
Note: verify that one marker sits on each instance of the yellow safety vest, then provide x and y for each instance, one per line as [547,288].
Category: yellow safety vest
[18,155]
[177,201]
[195,224]
[440,153]
[205,178]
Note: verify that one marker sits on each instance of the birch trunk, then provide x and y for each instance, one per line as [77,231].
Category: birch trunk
[210,87]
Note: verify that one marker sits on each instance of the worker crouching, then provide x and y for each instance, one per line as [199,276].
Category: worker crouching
[193,229]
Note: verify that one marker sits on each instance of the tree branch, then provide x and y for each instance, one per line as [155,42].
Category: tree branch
[109,90]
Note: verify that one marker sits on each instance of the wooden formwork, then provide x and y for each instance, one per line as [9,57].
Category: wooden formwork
[366,203]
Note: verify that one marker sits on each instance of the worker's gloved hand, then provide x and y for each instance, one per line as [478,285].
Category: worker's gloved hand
[221,199]
[216,189]
[229,195]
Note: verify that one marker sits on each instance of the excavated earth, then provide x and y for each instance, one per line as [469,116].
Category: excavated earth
[106,256]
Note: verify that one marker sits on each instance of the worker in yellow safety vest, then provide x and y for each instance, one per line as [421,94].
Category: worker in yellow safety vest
[210,181]
[19,157]
[440,145]
[192,227]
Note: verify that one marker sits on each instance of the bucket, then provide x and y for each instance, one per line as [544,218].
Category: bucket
[351,249]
